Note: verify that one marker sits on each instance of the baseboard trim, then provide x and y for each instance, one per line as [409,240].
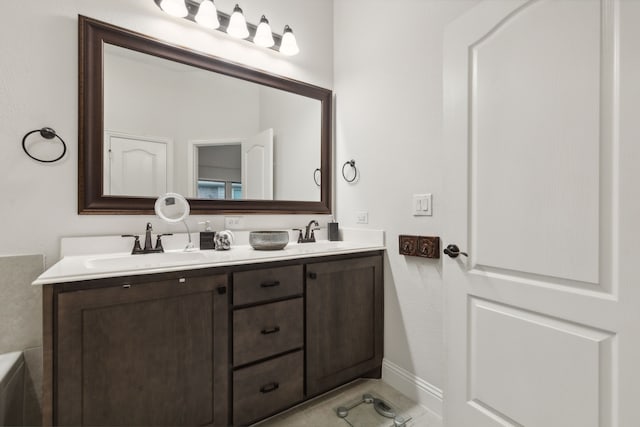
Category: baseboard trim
[412,386]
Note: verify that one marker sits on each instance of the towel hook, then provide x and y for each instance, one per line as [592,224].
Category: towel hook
[315,176]
[46,133]
[351,163]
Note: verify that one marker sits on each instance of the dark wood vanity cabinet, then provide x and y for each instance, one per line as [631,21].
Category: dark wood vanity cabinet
[268,341]
[344,322]
[142,353]
[218,346]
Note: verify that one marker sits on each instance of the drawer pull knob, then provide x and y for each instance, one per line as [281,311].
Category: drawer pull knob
[268,388]
[270,284]
[221,290]
[268,331]
[313,275]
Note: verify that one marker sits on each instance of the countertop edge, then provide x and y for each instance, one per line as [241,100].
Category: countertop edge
[41,281]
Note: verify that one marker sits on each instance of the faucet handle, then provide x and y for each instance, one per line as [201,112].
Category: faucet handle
[299,230]
[158,246]
[136,243]
[312,237]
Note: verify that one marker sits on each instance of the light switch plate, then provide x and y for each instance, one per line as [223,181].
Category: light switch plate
[422,205]
[407,245]
[428,247]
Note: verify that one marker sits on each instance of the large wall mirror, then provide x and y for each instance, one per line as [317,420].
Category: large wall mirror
[157,118]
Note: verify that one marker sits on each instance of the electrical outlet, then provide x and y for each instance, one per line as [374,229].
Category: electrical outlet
[362,217]
[233,222]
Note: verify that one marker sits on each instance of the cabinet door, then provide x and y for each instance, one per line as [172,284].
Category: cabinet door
[145,354]
[344,301]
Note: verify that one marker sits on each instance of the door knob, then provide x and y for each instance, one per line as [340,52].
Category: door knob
[454,251]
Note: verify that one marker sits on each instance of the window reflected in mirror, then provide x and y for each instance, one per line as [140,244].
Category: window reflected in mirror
[219,190]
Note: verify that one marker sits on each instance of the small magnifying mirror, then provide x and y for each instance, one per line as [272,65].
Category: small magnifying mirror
[172,208]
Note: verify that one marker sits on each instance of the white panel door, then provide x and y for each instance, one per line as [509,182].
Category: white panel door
[136,165]
[542,319]
[257,166]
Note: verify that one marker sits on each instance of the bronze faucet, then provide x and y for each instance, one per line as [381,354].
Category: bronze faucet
[309,236]
[148,246]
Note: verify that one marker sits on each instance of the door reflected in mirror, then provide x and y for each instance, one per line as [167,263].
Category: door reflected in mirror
[171,127]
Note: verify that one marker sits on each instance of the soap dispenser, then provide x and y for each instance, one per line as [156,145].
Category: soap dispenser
[332,230]
[207,236]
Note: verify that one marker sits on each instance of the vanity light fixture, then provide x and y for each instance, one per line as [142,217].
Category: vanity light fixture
[289,45]
[175,8]
[263,35]
[204,12]
[207,15]
[237,24]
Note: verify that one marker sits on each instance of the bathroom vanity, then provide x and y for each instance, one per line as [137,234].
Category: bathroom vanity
[215,343]
[207,337]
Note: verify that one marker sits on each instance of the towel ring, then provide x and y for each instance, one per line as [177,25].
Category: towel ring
[315,176]
[46,133]
[351,163]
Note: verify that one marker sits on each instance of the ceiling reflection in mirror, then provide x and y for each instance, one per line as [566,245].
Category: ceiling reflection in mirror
[171,127]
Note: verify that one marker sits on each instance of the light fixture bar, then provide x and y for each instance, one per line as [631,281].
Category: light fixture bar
[192,7]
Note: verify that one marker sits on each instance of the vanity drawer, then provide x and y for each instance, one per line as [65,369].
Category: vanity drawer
[267,284]
[266,388]
[267,330]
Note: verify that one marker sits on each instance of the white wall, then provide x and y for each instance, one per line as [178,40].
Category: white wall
[179,103]
[39,87]
[295,121]
[388,84]
[157,98]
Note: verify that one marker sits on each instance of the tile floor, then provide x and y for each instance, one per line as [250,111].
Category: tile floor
[321,411]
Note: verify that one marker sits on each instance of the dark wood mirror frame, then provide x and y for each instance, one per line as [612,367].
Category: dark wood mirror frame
[92,36]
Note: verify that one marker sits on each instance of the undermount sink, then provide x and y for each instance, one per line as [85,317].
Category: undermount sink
[127,262]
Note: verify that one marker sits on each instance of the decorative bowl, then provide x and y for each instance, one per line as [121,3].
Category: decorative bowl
[268,240]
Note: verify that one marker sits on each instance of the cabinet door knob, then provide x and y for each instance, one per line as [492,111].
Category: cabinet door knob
[221,290]
[313,275]
[268,388]
[267,331]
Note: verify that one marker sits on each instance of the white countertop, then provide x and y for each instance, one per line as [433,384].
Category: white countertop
[74,268]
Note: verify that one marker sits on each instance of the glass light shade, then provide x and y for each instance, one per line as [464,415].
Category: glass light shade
[175,8]
[289,45]
[237,24]
[207,15]
[263,35]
